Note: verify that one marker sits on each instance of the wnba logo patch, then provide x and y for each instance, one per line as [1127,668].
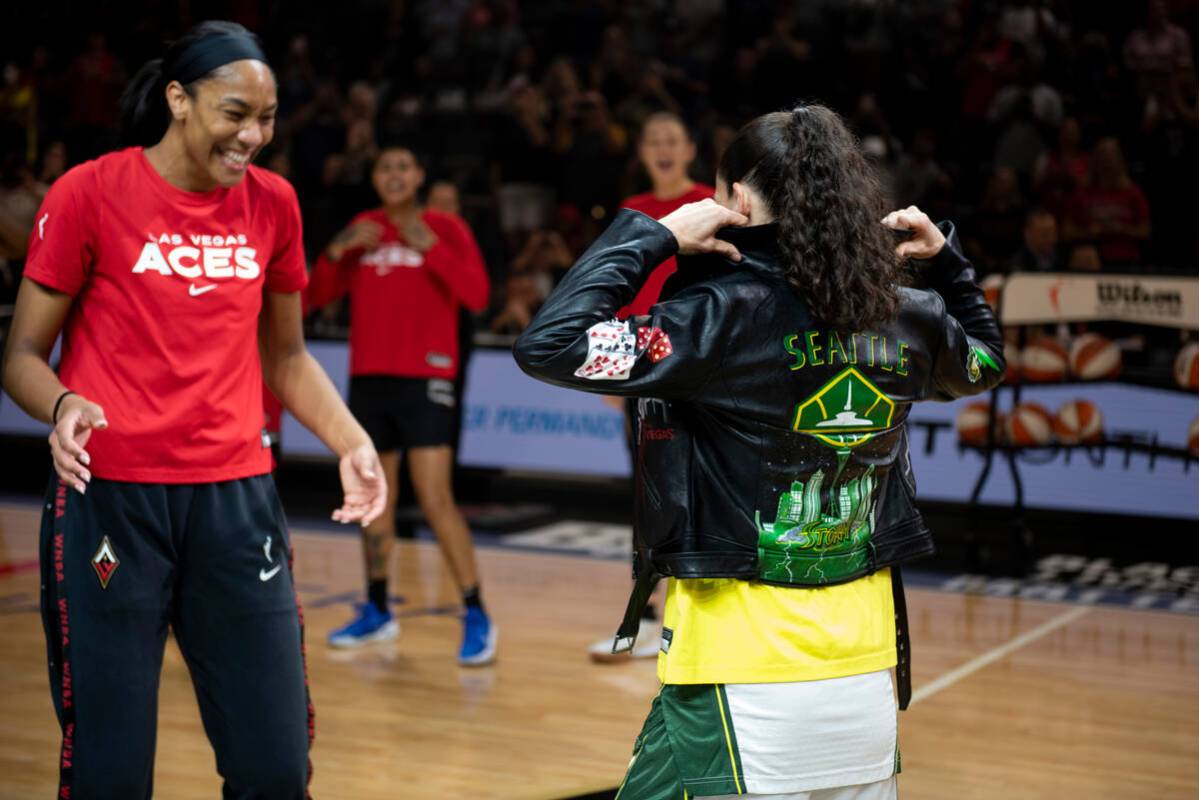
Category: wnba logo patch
[105,562]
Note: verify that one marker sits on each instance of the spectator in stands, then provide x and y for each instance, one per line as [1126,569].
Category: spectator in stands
[1084,257]
[919,179]
[522,298]
[995,229]
[361,149]
[53,162]
[18,111]
[879,143]
[541,263]
[713,139]
[20,196]
[1031,24]
[297,78]
[1020,145]
[786,60]
[493,41]
[1062,171]
[590,159]
[1110,209]
[359,154]
[316,131]
[444,197]
[561,88]
[1155,50]
[1040,252]
[94,85]
[1171,157]
[522,162]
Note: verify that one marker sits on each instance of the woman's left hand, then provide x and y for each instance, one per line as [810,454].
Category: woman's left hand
[364,486]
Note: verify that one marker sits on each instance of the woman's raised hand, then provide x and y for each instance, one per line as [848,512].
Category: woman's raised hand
[694,227]
[926,239]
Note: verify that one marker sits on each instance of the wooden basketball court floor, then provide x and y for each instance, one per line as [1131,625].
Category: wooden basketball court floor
[1014,698]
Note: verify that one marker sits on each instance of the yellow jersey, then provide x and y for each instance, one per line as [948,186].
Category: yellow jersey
[725,630]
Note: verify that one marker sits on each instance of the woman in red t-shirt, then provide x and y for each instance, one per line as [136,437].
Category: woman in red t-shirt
[666,151]
[1111,209]
[174,271]
[408,271]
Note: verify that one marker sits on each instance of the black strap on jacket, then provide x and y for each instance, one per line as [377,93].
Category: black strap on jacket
[903,644]
[626,637]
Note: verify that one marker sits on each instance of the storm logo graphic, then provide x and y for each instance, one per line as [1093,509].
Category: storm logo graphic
[813,543]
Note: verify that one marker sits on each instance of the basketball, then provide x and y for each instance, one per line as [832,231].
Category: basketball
[1193,437]
[1186,366]
[1078,422]
[1011,373]
[1029,424]
[1094,358]
[1044,361]
[972,424]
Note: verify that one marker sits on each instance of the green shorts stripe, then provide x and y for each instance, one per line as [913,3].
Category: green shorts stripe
[730,736]
[687,747]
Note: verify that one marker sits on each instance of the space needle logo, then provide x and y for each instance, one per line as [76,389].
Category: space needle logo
[845,412]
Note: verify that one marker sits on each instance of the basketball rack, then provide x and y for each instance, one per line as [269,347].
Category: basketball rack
[1028,299]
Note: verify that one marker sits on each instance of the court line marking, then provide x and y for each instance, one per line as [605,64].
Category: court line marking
[995,654]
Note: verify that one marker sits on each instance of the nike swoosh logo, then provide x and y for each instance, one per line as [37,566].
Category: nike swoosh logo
[265,575]
[196,291]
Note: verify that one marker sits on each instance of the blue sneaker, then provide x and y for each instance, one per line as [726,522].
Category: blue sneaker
[479,637]
[371,625]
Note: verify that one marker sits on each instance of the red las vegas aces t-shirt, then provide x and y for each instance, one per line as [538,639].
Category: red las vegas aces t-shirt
[163,330]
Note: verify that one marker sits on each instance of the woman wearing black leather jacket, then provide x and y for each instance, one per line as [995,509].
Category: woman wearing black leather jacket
[773,482]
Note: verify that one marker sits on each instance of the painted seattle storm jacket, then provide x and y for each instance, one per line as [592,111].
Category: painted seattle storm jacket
[771,447]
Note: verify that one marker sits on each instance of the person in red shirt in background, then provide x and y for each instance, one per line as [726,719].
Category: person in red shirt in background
[408,271]
[174,272]
[666,150]
[1111,209]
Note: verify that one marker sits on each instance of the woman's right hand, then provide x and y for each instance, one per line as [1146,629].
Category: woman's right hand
[926,239]
[363,235]
[77,418]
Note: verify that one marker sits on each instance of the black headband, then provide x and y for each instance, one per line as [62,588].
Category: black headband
[212,52]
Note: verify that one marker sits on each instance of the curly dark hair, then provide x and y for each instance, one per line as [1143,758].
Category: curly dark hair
[828,204]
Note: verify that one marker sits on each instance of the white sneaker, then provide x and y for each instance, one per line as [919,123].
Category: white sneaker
[649,642]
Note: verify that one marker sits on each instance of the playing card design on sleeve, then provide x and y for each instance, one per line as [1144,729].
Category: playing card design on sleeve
[611,352]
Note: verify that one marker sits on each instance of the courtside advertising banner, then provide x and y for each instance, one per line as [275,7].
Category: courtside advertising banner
[1030,299]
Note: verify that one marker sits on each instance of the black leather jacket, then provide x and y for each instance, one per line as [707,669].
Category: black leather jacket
[774,448]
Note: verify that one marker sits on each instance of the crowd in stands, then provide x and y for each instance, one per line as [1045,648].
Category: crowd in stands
[1060,134]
